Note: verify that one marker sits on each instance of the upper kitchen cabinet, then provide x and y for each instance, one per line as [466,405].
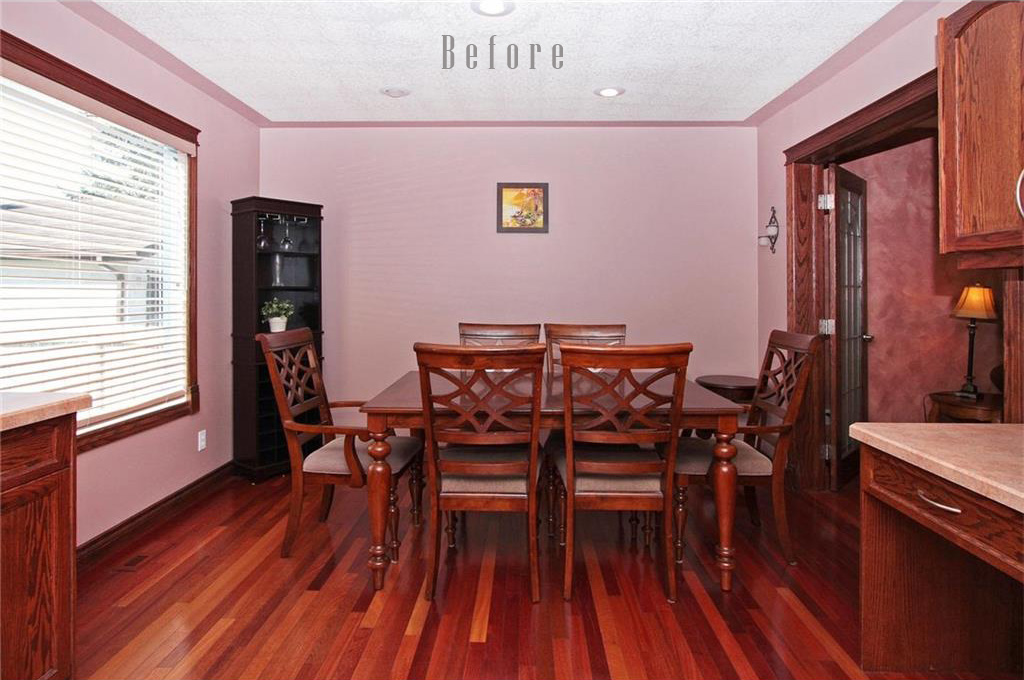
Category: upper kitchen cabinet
[981,130]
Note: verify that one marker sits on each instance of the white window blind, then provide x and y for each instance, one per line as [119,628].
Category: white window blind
[93,259]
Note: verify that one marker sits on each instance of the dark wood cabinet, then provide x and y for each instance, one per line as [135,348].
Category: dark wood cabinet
[981,132]
[37,569]
[276,252]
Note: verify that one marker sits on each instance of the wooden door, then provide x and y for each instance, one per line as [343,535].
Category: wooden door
[36,577]
[847,354]
[981,127]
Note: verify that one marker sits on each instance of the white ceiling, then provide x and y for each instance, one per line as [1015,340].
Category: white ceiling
[678,61]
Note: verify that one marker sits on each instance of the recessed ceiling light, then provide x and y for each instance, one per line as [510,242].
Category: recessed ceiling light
[492,8]
[609,91]
[395,92]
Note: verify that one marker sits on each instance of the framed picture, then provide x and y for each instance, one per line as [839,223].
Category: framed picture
[523,208]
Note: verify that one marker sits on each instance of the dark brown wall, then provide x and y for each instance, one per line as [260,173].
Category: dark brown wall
[918,347]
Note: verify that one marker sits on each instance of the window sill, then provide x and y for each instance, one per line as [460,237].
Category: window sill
[126,428]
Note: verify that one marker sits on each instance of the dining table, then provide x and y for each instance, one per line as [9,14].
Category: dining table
[399,406]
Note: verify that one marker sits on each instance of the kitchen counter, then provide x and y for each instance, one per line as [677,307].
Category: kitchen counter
[988,459]
[942,551]
[18,409]
[37,508]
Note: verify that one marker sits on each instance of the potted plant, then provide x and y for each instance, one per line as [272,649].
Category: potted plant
[276,313]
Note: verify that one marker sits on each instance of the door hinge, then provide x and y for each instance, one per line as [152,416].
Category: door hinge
[826,451]
[826,201]
[827,326]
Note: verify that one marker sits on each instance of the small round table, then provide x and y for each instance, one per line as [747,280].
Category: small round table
[946,407]
[738,388]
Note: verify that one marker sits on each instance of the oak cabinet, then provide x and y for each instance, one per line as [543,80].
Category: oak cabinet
[37,565]
[981,129]
[941,571]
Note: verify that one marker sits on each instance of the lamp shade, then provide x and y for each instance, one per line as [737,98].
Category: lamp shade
[976,302]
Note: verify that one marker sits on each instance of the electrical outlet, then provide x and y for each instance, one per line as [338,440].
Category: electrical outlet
[201,444]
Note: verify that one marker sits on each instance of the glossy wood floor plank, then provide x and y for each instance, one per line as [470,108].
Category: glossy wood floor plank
[205,595]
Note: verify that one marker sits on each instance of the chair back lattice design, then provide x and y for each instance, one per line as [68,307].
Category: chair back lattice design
[609,334]
[298,384]
[498,334]
[481,396]
[624,395]
[781,385]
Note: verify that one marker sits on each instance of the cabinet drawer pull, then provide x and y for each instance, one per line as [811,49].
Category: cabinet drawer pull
[940,506]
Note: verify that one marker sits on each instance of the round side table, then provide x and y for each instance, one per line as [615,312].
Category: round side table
[947,407]
[738,388]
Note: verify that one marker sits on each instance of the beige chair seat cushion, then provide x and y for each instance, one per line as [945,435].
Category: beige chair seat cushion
[611,484]
[504,485]
[330,458]
[695,455]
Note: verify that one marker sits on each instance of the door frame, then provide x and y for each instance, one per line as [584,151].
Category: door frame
[901,117]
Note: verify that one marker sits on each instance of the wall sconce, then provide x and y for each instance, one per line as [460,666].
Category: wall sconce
[772,231]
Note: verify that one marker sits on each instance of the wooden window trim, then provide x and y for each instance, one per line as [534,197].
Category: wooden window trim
[17,51]
[126,428]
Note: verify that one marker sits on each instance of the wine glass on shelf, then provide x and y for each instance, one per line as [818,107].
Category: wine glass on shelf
[300,223]
[286,242]
[262,240]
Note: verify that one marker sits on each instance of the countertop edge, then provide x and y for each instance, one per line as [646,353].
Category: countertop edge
[988,487]
[60,405]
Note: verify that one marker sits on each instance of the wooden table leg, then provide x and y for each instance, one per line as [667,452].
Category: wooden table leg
[378,483]
[723,479]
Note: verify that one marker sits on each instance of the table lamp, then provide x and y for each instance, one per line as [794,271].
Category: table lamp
[976,302]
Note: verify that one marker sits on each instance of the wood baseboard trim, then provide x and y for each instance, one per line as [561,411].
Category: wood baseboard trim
[100,545]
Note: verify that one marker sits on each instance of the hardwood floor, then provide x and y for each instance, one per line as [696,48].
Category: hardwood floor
[205,595]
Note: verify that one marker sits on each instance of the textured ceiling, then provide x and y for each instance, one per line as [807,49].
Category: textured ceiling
[678,61]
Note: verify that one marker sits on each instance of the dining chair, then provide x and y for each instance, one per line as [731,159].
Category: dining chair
[343,455]
[763,452]
[621,403]
[491,335]
[500,334]
[579,334]
[481,413]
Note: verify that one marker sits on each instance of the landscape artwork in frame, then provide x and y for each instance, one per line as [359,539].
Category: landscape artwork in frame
[523,207]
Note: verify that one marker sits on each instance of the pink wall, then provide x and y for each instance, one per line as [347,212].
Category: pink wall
[907,54]
[651,227]
[911,289]
[123,478]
